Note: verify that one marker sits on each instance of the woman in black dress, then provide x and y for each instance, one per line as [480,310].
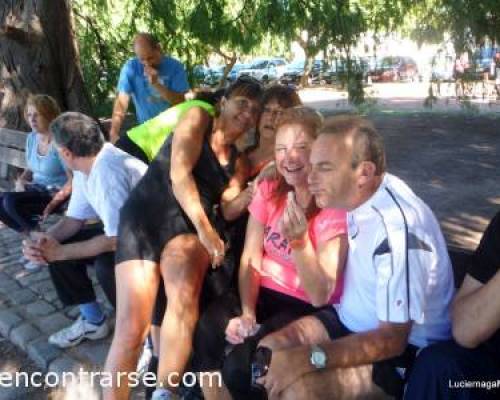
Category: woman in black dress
[167,229]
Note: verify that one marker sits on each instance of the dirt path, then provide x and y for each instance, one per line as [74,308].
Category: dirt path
[451,161]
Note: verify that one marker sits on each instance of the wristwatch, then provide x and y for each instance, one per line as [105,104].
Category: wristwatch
[318,357]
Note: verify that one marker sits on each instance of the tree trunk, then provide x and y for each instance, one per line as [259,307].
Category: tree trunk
[38,55]
[308,66]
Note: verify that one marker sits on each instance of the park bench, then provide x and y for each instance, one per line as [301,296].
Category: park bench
[12,145]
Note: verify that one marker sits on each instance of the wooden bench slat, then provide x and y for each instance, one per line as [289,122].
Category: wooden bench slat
[12,138]
[13,157]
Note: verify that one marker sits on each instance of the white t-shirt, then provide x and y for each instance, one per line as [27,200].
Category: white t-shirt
[398,268]
[102,193]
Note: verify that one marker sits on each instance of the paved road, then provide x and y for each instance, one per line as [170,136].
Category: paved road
[398,97]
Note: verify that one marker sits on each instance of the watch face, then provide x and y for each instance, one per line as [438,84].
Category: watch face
[318,358]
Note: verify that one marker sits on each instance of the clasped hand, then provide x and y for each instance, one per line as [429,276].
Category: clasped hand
[294,221]
[42,248]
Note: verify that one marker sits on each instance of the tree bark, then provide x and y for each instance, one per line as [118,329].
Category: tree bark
[38,54]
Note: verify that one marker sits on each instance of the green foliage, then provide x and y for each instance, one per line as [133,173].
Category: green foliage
[187,29]
[467,22]
[193,31]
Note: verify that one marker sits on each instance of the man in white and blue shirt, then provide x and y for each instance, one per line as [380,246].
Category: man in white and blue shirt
[398,280]
[103,177]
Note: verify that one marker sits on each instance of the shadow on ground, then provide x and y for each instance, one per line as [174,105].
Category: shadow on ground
[452,161]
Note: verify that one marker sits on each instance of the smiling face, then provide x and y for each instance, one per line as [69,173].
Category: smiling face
[271,112]
[292,150]
[36,120]
[239,114]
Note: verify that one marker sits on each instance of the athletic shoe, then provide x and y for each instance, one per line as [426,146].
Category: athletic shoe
[33,266]
[164,394]
[81,329]
[144,359]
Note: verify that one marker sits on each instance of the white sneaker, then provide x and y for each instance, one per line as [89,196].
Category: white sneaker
[164,394]
[33,266]
[144,359]
[81,329]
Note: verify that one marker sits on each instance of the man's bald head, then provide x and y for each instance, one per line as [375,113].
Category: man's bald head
[147,49]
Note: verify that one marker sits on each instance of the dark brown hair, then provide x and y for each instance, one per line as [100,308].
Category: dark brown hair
[285,96]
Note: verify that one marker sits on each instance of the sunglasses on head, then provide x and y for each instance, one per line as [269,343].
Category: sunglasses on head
[248,79]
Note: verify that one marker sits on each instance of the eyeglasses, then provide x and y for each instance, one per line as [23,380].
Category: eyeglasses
[274,112]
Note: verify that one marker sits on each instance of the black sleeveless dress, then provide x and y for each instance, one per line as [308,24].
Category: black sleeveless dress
[152,216]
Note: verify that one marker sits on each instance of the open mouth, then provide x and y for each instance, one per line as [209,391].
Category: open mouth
[293,170]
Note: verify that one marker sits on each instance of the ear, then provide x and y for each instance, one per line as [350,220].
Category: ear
[223,102]
[366,172]
[65,153]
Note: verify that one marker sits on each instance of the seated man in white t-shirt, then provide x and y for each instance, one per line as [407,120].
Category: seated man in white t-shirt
[103,178]
[398,280]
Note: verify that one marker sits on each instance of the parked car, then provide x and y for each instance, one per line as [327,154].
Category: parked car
[213,75]
[265,69]
[337,72]
[295,70]
[235,71]
[395,69]
[199,73]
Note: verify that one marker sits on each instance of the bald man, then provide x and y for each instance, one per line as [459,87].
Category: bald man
[153,80]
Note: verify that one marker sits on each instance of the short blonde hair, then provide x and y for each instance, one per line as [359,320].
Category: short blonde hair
[46,106]
[302,115]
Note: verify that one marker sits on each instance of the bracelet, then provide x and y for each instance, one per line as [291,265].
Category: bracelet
[298,244]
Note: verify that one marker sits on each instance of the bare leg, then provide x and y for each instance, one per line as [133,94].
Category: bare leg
[339,384]
[183,266]
[212,390]
[137,283]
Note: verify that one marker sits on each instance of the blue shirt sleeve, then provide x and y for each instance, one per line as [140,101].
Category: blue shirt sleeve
[179,82]
[125,81]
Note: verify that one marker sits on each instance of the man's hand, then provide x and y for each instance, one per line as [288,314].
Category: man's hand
[19,185]
[152,74]
[286,367]
[42,248]
[269,172]
[53,204]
